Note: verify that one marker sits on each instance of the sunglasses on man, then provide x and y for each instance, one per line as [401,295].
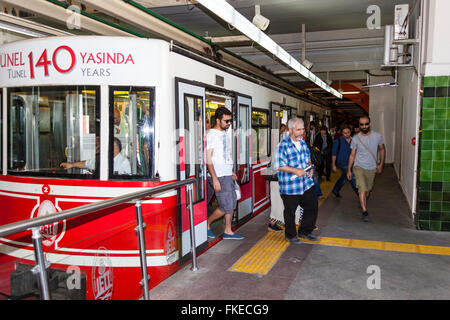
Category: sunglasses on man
[364,124]
[228,120]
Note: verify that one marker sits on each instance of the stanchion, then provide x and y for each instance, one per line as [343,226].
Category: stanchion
[40,264]
[192,228]
[142,251]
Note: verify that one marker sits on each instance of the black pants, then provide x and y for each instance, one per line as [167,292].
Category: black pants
[326,164]
[308,201]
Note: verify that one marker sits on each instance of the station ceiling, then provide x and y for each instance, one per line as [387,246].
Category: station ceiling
[338,41]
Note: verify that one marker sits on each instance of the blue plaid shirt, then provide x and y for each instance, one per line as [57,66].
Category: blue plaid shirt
[289,156]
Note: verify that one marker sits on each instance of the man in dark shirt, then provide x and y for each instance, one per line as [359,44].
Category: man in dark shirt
[340,155]
[324,142]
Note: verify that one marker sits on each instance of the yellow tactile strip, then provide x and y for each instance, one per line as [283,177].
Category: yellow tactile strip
[381,245]
[263,255]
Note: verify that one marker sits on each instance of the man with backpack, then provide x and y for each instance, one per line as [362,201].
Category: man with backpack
[340,154]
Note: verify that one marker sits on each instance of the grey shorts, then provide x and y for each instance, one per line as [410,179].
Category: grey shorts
[227,195]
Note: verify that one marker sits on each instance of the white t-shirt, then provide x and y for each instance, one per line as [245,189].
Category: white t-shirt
[296,143]
[222,159]
[121,165]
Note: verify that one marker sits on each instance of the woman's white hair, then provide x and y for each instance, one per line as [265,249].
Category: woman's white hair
[292,122]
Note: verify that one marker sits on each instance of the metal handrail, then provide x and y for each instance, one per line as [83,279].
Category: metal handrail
[35,223]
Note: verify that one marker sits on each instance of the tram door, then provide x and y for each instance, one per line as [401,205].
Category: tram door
[192,162]
[243,116]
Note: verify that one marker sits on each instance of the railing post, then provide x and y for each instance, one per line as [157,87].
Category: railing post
[192,227]
[142,251]
[40,264]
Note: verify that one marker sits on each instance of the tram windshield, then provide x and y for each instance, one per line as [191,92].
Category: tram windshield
[50,126]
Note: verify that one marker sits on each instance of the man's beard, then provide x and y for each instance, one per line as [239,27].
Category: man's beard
[365,131]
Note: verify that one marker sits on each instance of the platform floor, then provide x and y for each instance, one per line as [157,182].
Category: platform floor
[386,258]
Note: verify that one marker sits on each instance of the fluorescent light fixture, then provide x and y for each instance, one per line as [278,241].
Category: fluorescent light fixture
[260,21]
[227,13]
[350,92]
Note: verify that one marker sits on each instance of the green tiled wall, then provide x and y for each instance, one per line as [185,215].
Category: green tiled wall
[434,186]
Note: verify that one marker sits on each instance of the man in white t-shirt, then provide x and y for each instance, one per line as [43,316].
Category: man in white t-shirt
[121,163]
[219,162]
[364,149]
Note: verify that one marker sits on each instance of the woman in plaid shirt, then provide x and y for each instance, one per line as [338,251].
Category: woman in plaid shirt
[296,185]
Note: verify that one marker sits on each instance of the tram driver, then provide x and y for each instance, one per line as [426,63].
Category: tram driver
[121,163]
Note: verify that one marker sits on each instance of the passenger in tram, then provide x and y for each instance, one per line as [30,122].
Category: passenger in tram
[120,127]
[90,164]
[121,163]
[341,153]
[324,142]
[219,161]
[365,146]
[296,184]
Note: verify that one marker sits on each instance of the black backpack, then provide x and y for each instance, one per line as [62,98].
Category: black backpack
[316,156]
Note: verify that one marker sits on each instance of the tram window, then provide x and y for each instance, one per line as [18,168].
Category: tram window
[260,134]
[53,126]
[132,128]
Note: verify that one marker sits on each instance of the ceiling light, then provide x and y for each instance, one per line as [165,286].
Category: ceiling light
[350,92]
[307,64]
[260,21]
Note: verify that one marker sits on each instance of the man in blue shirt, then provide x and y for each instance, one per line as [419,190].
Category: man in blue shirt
[341,153]
[296,184]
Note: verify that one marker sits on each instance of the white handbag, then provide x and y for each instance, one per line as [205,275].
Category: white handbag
[238,190]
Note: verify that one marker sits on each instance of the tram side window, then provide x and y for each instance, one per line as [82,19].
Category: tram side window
[260,134]
[132,132]
[53,131]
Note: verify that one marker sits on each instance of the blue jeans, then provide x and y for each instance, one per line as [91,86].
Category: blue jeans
[317,188]
[342,180]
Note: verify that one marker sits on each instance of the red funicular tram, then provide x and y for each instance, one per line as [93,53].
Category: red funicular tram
[125,114]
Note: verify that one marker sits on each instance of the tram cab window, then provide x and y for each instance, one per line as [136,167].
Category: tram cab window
[260,134]
[132,128]
[49,126]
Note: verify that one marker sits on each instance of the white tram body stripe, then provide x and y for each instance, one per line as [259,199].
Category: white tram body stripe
[74,191]
[88,260]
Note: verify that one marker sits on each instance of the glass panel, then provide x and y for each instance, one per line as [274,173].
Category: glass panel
[260,118]
[133,133]
[53,131]
[260,134]
[244,148]
[194,143]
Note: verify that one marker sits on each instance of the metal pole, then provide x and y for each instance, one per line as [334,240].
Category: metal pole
[40,264]
[192,228]
[142,251]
